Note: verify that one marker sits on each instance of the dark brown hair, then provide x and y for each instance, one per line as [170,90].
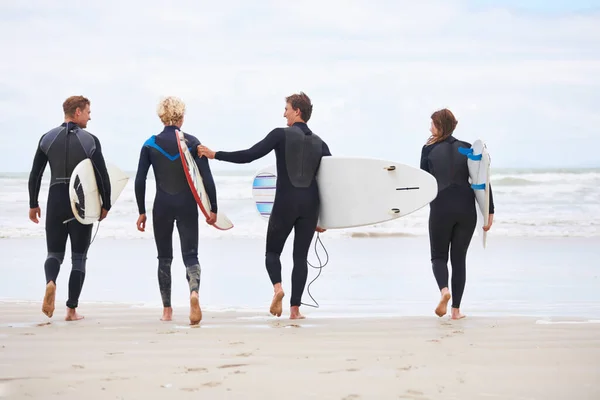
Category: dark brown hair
[73,103]
[445,123]
[302,102]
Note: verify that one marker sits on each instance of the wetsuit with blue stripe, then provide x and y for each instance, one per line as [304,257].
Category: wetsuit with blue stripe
[298,151]
[452,216]
[63,148]
[174,203]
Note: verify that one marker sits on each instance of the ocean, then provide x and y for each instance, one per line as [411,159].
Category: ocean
[529,203]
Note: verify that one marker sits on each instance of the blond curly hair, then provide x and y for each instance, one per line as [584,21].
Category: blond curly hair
[171,110]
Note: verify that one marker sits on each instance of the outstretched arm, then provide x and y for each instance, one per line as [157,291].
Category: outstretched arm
[40,160]
[255,152]
[209,182]
[101,175]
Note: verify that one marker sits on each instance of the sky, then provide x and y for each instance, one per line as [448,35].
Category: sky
[524,76]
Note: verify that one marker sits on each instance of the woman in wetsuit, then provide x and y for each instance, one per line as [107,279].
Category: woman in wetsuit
[298,152]
[452,216]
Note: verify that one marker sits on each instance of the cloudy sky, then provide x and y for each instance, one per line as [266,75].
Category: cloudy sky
[525,78]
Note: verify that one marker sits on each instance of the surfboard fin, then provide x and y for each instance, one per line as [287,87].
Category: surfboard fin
[395,211]
[391,168]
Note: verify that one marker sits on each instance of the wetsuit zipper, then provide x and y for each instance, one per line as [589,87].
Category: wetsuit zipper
[302,161]
[67,140]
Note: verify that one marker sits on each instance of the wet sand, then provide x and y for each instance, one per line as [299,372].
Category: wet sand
[124,352]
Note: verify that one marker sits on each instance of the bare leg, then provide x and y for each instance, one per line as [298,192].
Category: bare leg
[456,314]
[72,315]
[195,311]
[295,313]
[276,306]
[167,314]
[49,296]
[442,307]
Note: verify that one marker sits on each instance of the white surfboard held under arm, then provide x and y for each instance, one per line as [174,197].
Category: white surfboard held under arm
[84,195]
[478,162]
[356,191]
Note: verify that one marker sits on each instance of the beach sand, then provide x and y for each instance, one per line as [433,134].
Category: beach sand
[125,352]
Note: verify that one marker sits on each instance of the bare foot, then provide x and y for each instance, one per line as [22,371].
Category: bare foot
[456,314]
[48,304]
[72,315]
[442,307]
[276,307]
[167,314]
[295,313]
[195,311]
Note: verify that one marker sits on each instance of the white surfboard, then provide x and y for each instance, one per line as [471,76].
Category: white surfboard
[356,191]
[478,162]
[86,202]
[194,180]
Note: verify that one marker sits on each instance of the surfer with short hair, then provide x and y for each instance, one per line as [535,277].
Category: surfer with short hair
[63,148]
[452,216]
[298,151]
[174,202]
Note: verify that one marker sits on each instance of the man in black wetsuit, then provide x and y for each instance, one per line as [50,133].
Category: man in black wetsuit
[63,148]
[298,151]
[174,201]
[452,216]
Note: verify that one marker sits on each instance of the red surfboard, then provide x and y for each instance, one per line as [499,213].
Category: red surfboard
[194,179]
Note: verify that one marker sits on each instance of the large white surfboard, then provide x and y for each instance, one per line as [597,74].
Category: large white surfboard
[478,162]
[194,180]
[356,191]
[84,195]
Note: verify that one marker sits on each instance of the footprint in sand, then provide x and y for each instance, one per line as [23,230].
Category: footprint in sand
[212,384]
[190,389]
[236,342]
[77,366]
[351,397]
[116,378]
[412,394]
[197,369]
[243,355]
[232,365]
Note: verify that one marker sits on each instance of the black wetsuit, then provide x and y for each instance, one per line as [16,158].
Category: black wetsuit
[452,216]
[298,152]
[174,202]
[64,147]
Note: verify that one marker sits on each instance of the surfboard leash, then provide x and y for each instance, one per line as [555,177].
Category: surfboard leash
[320,268]
[94,237]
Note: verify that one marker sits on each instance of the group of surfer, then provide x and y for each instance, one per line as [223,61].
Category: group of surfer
[298,156]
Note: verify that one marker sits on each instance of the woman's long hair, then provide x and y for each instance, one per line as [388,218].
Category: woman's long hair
[445,124]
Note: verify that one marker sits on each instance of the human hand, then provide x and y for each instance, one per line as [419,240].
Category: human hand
[490,221]
[206,152]
[103,214]
[320,230]
[141,223]
[34,214]
[211,219]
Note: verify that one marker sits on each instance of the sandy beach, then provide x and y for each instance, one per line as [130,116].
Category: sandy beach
[124,352]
